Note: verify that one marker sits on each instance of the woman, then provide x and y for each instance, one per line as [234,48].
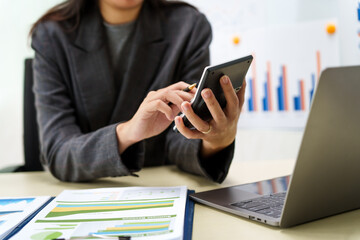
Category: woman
[108,79]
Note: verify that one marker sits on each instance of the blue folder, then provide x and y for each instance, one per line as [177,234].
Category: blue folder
[189,216]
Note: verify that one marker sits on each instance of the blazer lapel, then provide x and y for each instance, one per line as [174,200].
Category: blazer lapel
[145,57]
[93,71]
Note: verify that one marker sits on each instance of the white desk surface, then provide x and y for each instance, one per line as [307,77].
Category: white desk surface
[208,223]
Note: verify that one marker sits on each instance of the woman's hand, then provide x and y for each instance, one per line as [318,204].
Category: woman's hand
[154,115]
[220,132]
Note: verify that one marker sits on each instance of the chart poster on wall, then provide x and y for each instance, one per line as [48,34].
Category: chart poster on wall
[288,61]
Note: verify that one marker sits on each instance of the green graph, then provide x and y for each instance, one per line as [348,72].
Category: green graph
[46,236]
[72,209]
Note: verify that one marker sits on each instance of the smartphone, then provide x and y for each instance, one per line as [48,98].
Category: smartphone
[236,70]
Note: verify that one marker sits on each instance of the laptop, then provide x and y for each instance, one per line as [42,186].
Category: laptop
[326,177]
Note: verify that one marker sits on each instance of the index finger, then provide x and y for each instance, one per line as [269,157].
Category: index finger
[178,86]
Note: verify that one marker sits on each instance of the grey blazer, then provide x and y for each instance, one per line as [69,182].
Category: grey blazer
[79,106]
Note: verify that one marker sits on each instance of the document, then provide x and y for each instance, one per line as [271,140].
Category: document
[139,212]
[14,211]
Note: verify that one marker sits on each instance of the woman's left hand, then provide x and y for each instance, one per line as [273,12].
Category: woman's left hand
[220,132]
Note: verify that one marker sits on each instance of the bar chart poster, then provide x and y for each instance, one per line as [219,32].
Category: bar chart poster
[289,54]
[282,79]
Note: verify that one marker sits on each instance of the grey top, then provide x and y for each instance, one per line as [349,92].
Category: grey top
[79,105]
[117,36]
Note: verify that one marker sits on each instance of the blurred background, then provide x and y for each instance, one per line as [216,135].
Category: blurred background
[292,41]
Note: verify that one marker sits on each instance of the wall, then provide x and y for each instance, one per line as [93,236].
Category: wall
[16,17]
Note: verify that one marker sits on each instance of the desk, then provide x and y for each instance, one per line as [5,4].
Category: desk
[208,223]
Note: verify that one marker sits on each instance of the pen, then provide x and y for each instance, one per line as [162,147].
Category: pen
[109,237]
[190,87]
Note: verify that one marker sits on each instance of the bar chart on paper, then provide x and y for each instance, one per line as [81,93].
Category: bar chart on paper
[142,228]
[139,212]
[66,209]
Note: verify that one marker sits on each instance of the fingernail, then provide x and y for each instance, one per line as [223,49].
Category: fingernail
[185,107]
[206,93]
[225,79]
[177,120]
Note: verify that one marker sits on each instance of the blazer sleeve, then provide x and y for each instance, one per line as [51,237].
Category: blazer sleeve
[67,152]
[185,152]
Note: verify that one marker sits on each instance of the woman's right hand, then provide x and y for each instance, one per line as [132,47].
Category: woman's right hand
[154,115]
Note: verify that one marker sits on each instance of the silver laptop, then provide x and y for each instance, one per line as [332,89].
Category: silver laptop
[326,177]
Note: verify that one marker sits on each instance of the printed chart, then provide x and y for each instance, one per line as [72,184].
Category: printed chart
[142,213]
[67,209]
[134,228]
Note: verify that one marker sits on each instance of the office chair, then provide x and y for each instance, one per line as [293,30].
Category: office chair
[31,135]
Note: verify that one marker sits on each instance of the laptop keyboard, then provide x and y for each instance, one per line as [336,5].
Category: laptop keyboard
[270,205]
